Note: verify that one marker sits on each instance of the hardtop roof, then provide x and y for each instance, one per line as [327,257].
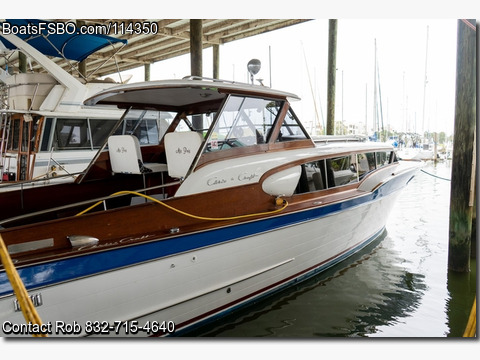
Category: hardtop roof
[179,93]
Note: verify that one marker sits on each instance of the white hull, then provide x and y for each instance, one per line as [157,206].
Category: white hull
[191,287]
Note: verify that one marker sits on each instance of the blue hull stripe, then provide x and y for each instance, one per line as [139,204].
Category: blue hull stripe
[35,276]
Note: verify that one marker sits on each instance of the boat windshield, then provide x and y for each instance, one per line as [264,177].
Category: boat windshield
[247,121]
[243,122]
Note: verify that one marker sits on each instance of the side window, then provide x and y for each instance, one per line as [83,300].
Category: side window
[291,128]
[77,134]
[343,169]
[71,134]
[100,129]
[366,163]
[198,122]
[47,128]
[327,174]
[147,125]
[383,158]
[312,177]
[14,135]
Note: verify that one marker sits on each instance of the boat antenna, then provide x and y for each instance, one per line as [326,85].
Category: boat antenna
[254,67]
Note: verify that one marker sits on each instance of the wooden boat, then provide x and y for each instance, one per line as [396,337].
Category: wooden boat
[236,202]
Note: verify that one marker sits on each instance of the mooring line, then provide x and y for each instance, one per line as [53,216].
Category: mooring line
[434,175]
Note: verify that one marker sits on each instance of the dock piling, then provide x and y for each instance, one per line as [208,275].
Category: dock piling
[332,68]
[463,159]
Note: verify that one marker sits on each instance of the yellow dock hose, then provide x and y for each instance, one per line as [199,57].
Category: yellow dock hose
[285,204]
[472,321]
[28,309]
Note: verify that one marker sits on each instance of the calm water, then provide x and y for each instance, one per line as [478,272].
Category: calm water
[398,286]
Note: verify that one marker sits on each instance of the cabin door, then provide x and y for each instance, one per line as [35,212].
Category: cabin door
[22,144]
[4,136]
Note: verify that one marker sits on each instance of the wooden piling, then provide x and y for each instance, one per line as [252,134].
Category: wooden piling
[216,61]
[332,68]
[146,69]
[463,150]
[196,62]
[196,47]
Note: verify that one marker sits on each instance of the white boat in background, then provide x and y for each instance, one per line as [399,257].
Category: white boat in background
[235,202]
[408,153]
[47,134]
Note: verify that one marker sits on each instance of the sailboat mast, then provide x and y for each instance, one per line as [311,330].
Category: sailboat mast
[375,90]
[425,87]
[381,107]
[366,110]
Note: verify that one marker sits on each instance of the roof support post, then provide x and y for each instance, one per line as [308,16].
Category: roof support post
[147,72]
[216,61]
[332,65]
[196,64]
[196,46]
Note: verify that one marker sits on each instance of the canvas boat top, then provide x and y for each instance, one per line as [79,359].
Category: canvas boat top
[67,44]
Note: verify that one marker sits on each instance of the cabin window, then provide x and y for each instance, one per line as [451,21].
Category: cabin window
[25,136]
[244,122]
[47,128]
[343,170]
[77,134]
[326,174]
[22,130]
[291,128]
[198,122]
[366,163]
[383,158]
[71,134]
[148,126]
[14,134]
[100,129]
[329,173]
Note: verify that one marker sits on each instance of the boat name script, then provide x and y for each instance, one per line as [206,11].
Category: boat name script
[245,176]
[121,150]
[184,150]
[113,243]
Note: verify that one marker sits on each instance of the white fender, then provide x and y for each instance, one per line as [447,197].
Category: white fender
[282,183]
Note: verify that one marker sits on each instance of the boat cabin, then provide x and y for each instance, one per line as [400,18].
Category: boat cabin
[220,135]
[204,123]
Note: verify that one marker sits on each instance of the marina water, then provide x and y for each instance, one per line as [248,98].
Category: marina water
[399,286]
